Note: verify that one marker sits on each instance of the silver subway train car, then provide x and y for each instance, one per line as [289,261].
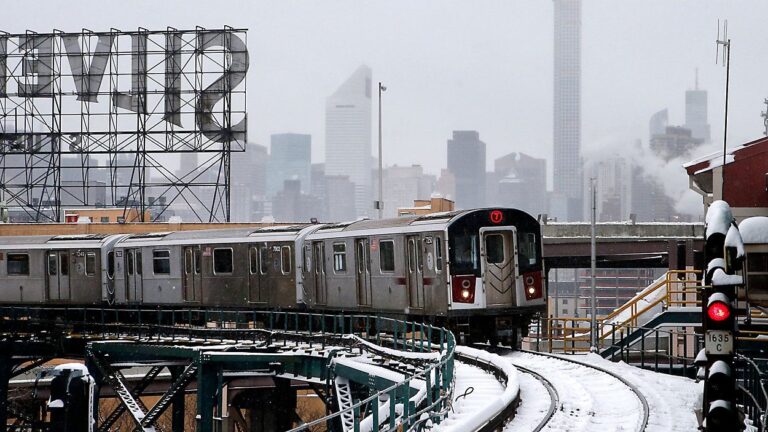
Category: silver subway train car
[478,271]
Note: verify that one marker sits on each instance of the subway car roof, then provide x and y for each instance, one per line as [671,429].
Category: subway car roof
[229,235]
[74,241]
[404,224]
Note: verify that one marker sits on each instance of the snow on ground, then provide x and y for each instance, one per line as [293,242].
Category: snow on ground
[589,399]
[672,400]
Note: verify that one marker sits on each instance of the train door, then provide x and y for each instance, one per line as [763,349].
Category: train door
[58,275]
[133,275]
[318,256]
[497,264]
[414,267]
[192,278]
[363,273]
[258,265]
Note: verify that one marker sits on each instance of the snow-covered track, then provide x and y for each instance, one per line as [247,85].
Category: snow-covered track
[554,397]
[643,419]
[496,407]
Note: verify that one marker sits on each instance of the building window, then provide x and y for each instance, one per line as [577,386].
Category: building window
[104,219]
[18,264]
[90,263]
[222,261]
[161,262]
[285,259]
[339,257]
[387,255]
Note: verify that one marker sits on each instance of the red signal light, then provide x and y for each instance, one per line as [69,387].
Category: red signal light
[496,216]
[718,311]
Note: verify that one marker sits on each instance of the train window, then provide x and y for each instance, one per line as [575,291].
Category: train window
[411,255]
[222,261]
[53,265]
[527,251]
[129,264]
[198,258]
[253,258]
[438,254]
[263,260]
[494,248]
[187,261]
[285,259]
[339,257]
[18,264]
[139,268]
[464,256]
[387,255]
[111,264]
[161,262]
[64,264]
[306,254]
[90,263]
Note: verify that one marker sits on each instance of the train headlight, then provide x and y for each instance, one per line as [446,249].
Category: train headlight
[531,290]
[465,293]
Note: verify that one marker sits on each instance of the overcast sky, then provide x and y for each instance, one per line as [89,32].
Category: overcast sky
[484,65]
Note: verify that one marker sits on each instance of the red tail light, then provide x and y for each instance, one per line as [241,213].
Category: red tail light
[532,284]
[463,289]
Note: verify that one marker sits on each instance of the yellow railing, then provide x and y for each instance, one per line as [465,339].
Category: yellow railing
[571,334]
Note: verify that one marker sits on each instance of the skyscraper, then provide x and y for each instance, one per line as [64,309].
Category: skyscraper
[696,113]
[348,136]
[466,161]
[290,159]
[567,106]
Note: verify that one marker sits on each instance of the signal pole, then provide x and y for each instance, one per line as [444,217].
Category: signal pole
[593,312]
[380,201]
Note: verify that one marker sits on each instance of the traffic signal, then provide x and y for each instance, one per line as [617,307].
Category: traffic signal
[720,313]
[720,388]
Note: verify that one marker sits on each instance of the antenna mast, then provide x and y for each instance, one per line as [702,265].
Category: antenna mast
[726,43]
[764,115]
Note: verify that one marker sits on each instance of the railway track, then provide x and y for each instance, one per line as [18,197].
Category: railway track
[579,393]
[554,397]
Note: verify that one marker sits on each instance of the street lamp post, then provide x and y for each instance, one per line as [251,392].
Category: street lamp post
[593,306]
[380,201]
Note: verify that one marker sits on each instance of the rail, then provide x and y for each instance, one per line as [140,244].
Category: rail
[272,328]
[643,401]
[554,397]
[678,288]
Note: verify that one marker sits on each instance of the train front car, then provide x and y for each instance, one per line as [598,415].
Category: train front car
[496,277]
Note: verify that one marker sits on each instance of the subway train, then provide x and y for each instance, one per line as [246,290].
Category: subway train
[479,271]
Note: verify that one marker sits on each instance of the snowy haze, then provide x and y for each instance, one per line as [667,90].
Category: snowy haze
[484,65]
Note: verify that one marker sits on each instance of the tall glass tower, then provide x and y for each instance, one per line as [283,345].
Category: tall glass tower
[567,106]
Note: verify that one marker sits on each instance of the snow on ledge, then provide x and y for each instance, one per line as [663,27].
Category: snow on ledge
[754,230]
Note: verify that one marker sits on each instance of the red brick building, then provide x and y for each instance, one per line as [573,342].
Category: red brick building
[745,174]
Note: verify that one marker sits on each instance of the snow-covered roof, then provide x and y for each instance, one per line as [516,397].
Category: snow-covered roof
[754,230]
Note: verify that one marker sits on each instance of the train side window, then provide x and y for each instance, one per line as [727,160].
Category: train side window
[188,261]
[339,257]
[253,258]
[285,259]
[90,263]
[139,268]
[18,264]
[129,265]
[387,256]
[161,262]
[263,260]
[53,265]
[494,248]
[307,256]
[111,265]
[222,261]
[438,254]
[63,264]
[411,255]
[198,258]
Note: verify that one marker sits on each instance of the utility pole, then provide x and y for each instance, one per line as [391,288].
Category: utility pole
[593,312]
[380,201]
[726,43]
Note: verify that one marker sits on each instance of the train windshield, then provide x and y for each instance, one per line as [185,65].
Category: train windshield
[528,251]
[465,254]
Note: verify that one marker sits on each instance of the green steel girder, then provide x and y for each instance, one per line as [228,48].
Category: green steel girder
[374,382]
